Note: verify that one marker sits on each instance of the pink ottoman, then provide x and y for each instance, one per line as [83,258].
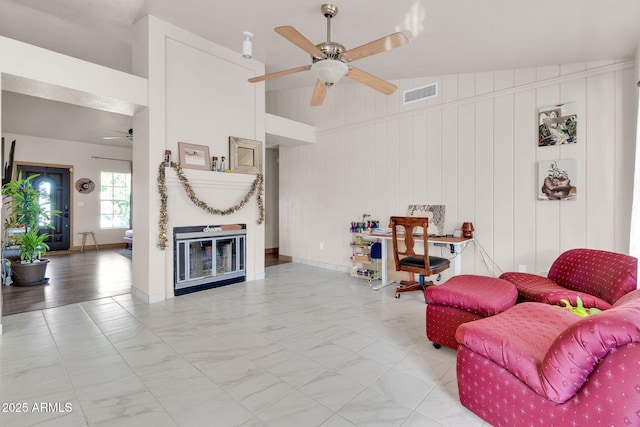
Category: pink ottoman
[463,299]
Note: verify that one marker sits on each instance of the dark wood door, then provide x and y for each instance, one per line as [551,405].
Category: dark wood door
[56,182]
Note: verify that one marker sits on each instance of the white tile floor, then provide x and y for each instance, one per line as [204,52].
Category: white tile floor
[305,347]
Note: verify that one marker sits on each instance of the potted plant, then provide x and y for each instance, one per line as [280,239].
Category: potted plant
[10,249]
[29,213]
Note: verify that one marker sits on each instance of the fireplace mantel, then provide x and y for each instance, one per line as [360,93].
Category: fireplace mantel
[209,179]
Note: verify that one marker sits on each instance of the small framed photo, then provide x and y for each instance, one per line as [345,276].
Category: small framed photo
[194,156]
[245,155]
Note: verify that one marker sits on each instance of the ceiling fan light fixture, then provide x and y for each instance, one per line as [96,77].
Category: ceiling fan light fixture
[329,71]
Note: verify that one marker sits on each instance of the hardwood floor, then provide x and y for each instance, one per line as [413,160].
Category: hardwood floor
[271,258]
[80,276]
[73,277]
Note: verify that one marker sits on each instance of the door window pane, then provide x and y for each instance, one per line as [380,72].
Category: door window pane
[45,202]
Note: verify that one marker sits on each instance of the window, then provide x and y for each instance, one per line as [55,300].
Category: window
[44,199]
[115,199]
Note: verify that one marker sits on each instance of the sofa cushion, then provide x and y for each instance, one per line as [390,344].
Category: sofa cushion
[630,298]
[535,288]
[482,295]
[606,275]
[518,339]
[576,351]
[550,349]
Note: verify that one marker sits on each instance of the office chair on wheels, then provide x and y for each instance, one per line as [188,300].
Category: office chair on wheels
[408,260]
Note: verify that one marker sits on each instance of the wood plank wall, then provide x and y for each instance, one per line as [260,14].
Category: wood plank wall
[473,149]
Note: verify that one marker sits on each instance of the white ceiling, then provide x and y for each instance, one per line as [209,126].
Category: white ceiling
[27,115]
[454,36]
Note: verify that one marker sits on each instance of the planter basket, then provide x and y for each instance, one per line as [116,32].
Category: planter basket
[29,274]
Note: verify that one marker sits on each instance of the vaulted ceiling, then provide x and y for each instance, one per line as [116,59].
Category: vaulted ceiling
[447,37]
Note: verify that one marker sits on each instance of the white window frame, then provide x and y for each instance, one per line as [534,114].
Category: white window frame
[127,190]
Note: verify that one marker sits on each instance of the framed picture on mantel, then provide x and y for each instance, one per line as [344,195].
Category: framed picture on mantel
[245,155]
[194,156]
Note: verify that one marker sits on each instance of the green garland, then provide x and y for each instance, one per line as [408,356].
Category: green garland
[256,186]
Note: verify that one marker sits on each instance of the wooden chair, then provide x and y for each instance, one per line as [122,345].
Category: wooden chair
[408,260]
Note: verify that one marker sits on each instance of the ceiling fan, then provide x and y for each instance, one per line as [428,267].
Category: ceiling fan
[119,134]
[330,59]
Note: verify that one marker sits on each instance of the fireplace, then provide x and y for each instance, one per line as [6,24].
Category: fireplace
[208,256]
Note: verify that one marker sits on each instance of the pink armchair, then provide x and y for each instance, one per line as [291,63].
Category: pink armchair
[598,277]
[540,365]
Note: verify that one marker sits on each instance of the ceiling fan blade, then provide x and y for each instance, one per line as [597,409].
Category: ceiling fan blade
[118,134]
[279,74]
[295,37]
[318,93]
[378,46]
[114,131]
[371,81]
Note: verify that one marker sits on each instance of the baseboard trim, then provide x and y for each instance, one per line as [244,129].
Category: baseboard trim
[100,246]
[149,299]
[286,258]
[341,268]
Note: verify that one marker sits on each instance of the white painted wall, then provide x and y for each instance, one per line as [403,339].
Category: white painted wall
[85,207]
[272,194]
[198,93]
[474,149]
[31,70]
[282,131]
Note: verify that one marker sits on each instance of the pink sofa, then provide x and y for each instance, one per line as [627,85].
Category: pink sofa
[598,277]
[540,365]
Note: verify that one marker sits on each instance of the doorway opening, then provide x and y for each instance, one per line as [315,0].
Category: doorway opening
[54,184]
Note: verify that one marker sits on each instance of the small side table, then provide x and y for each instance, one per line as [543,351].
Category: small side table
[84,239]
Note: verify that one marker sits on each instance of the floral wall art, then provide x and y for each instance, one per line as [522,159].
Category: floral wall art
[557,125]
[557,180]
[435,213]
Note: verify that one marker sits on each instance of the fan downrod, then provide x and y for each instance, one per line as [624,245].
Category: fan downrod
[330,49]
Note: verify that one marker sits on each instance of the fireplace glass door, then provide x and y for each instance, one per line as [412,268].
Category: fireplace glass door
[201,259]
[227,259]
[207,260]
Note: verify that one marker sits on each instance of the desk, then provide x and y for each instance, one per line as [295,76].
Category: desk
[459,243]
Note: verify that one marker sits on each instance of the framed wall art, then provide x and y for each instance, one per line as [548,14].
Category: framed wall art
[557,180]
[85,186]
[557,125]
[194,156]
[245,155]
[435,213]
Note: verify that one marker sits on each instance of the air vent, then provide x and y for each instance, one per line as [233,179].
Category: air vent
[420,93]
